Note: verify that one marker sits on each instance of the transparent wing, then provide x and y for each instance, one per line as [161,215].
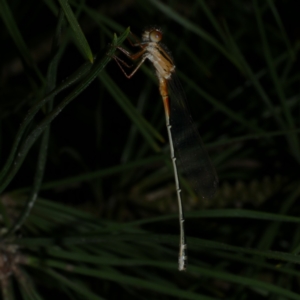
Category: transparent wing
[192,159]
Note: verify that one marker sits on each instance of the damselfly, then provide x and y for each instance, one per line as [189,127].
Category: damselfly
[187,152]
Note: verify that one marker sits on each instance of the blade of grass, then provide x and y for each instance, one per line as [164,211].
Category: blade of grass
[263,72]
[35,133]
[79,289]
[42,157]
[128,280]
[26,286]
[213,21]
[194,28]
[242,280]
[256,84]
[80,38]
[101,19]
[218,105]
[221,213]
[246,260]
[71,80]
[196,244]
[133,132]
[250,137]
[111,240]
[52,6]
[6,289]
[283,32]
[131,280]
[143,126]
[292,138]
[271,231]
[101,173]
[97,259]
[16,35]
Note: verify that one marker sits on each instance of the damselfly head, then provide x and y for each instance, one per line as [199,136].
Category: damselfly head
[152,34]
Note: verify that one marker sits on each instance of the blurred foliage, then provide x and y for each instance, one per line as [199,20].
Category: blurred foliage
[88,206]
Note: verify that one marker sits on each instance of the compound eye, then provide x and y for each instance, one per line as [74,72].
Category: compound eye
[155,36]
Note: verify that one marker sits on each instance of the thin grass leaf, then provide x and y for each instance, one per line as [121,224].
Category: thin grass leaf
[292,138]
[283,58]
[282,29]
[26,286]
[131,281]
[227,277]
[74,78]
[36,185]
[101,19]
[73,286]
[101,173]
[6,289]
[52,6]
[269,235]
[218,105]
[221,213]
[195,244]
[256,84]
[133,133]
[214,22]
[251,137]
[16,35]
[101,261]
[80,38]
[4,215]
[42,157]
[194,28]
[144,126]
[34,135]
[278,268]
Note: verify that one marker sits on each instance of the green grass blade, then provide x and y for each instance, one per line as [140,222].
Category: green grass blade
[144,126]
[42,157]
[74,78]
[72,285]
[194,28]
[218,105]
[34,135]
[256,84]
[80,38]
[16,35]
[282,29]
[292,138]
[129,280]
